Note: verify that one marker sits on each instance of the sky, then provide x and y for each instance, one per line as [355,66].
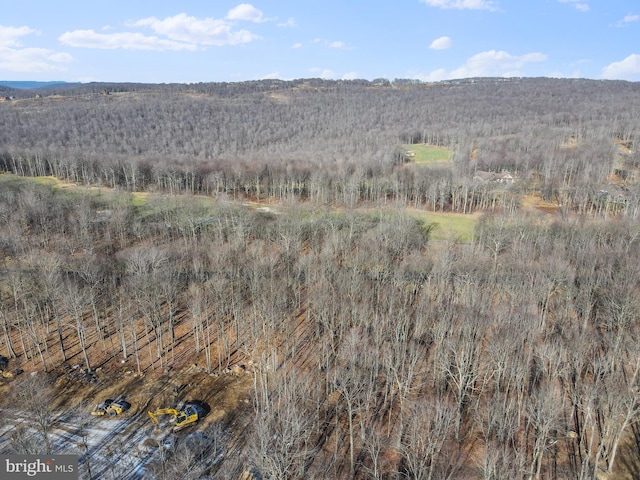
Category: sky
[191,41]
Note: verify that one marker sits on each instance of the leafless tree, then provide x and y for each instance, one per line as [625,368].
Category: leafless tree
[425,432]
[280,441]
[33,400]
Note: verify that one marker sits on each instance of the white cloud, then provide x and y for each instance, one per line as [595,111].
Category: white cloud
[28,60]
[271,76]
[32,60]
[495,63]
[125,41]
[60,57]
[289,23]
[627,69]
[246,11]
[332,44]
[205,31]
[441,43]
[179,32]
[323,73]
[583,7]
[296,45]
[9,35]
[330,74]
[435,76]
[463,4]
[337,44]
[628,19]
[485,64]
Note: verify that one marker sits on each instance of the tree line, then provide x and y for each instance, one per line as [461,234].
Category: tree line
[338,142]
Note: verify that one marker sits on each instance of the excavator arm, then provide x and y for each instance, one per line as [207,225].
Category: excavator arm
[182,418]
[163,411]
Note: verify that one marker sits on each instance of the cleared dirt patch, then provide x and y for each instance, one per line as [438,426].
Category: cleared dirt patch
[537,203]
[125,446]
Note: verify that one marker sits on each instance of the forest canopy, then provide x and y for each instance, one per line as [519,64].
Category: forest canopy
[281,228]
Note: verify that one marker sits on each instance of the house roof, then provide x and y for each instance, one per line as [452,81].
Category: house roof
[492,176]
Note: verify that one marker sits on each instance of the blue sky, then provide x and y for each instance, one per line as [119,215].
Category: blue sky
[190,41]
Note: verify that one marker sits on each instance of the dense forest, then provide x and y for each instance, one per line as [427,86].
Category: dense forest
[331,142]
[375,350]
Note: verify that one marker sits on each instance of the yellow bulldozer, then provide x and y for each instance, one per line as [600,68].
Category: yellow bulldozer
[183,416]
[111,407]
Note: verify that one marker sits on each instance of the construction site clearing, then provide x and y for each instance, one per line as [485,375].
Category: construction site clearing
[124,438]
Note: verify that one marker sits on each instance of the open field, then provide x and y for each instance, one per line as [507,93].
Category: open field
[429,155]
[452,227]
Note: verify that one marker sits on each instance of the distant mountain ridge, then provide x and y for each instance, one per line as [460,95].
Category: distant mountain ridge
[27,84]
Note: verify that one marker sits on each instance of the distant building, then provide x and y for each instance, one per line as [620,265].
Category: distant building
[503,177]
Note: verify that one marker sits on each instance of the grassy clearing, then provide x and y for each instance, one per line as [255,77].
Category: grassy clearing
[428,154]
[11,178]
[51,181]
[139,199]
[449,226]
[455,227]
[97,195]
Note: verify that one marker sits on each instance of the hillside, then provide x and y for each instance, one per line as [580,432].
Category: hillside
[25,84]
[344,309]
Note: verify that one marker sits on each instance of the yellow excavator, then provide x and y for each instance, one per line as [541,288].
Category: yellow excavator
[182,417]
[111,407]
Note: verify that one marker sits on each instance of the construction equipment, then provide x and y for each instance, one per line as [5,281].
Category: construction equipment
[183,416]
[111,407]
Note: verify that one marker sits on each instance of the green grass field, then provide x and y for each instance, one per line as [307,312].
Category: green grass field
[448,226]
[98,196]
[428,154]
